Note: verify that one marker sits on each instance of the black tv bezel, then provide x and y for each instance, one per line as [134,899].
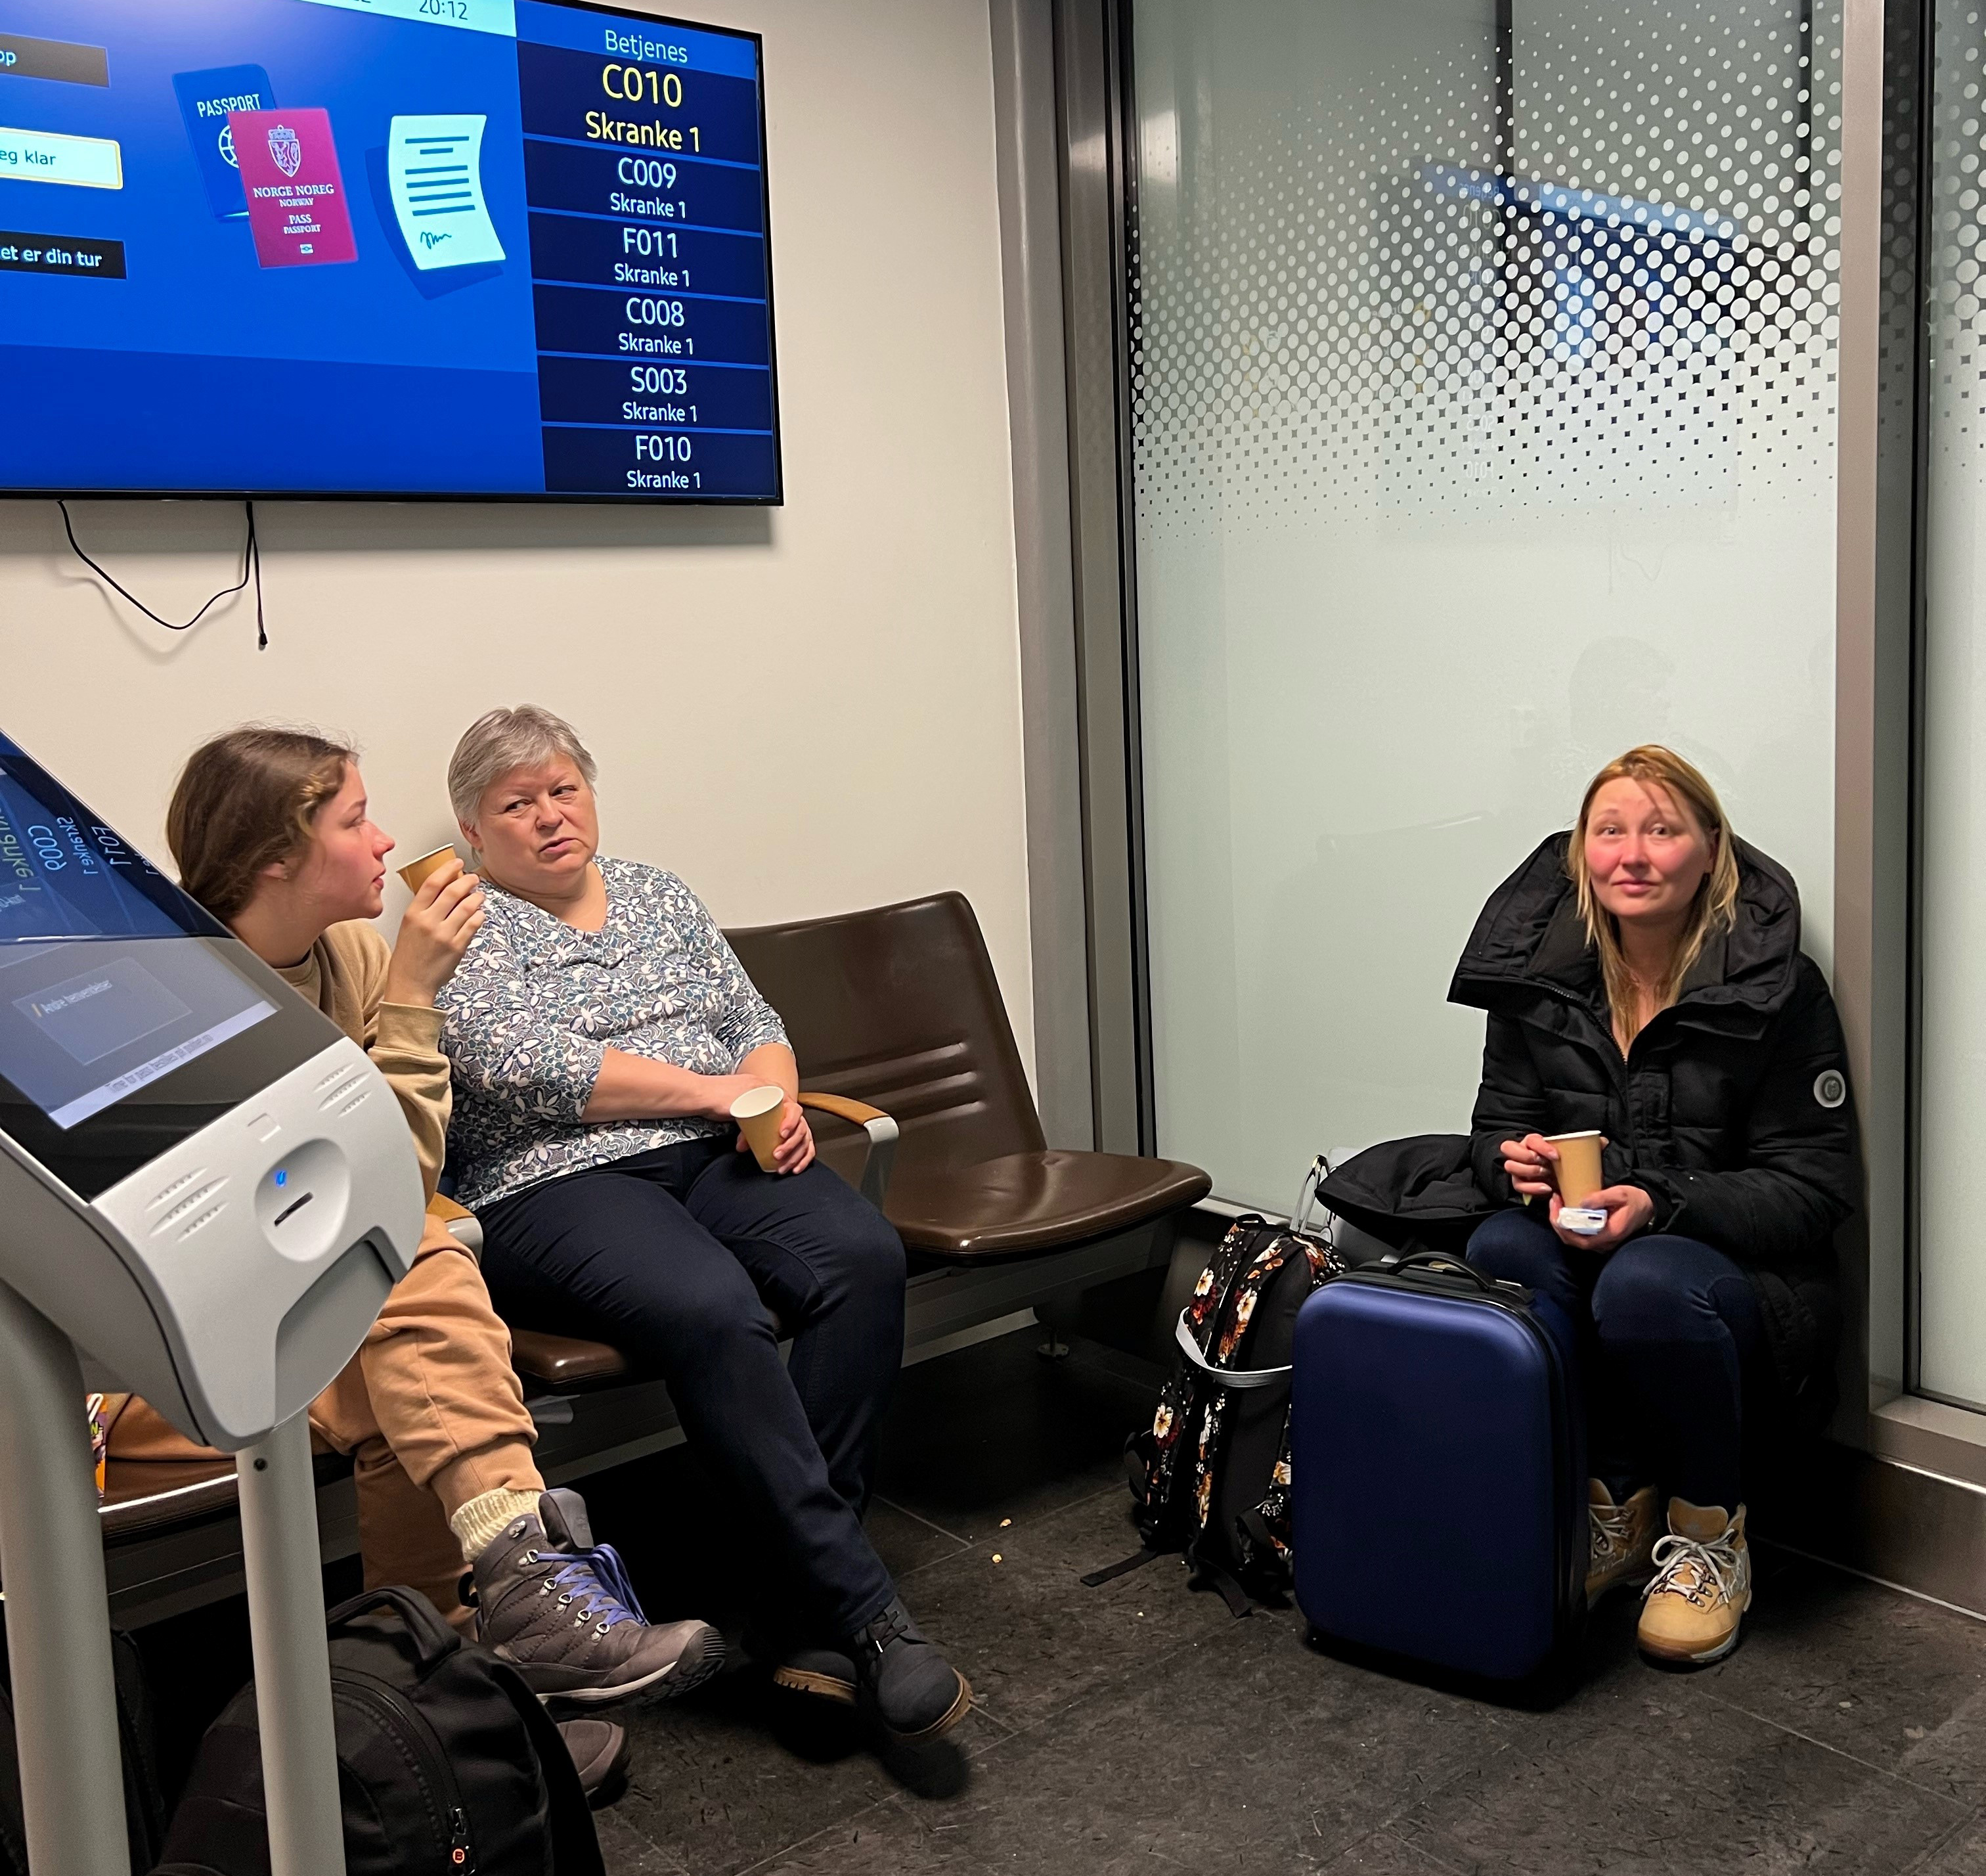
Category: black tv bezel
[597,499]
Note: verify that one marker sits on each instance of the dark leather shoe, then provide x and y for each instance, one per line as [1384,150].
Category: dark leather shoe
[600,1754]
[914,1693]
[826,1673]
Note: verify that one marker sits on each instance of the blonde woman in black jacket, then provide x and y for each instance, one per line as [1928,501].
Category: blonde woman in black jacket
[1644,978]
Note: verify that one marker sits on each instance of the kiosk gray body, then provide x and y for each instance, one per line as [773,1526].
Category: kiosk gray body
[208,1191]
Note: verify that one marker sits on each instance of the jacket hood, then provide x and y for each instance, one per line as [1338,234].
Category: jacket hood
[1530,941]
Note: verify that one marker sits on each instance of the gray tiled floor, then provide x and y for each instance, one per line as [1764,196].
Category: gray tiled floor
[1137,1726]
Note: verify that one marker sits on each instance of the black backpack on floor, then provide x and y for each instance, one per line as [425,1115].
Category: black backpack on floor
[1210,1476]
[144,1808]
[446,1763]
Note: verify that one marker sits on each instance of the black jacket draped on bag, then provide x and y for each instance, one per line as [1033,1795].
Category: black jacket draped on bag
[1731,1110]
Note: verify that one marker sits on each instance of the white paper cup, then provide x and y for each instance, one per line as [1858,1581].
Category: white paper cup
[758,1112]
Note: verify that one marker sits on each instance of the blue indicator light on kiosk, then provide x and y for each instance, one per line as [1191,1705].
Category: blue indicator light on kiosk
[282,1177]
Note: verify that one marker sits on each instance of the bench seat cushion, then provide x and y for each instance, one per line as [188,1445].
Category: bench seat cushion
[566,1363]
[1025,1203]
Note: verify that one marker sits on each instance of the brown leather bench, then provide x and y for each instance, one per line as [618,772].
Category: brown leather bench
[919,1097]
[909,1059]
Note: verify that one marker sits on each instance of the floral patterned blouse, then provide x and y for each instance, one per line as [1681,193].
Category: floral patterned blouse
[536,1004]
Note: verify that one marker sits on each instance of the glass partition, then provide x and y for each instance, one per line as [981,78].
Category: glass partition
[1951,902]
[1483,400]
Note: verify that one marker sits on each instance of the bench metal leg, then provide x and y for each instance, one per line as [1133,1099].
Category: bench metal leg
[279,1552]
[58,1616]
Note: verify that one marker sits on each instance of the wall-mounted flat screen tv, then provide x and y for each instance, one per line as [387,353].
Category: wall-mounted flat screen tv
[393,248]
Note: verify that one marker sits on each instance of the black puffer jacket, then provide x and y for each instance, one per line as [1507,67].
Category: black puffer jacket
[1731,1109]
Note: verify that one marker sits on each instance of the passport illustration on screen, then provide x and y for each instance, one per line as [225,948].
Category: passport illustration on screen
[206,100]
[298,207]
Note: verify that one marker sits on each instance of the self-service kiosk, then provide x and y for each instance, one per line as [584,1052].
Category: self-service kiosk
[207,1190]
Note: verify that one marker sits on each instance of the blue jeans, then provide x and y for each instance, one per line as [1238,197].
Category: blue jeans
[1663,1338]
[674,1256]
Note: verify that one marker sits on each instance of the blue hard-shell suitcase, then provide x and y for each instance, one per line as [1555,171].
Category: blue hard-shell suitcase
[1439,1471]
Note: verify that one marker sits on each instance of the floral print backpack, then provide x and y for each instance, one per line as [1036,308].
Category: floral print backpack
[1210,1476]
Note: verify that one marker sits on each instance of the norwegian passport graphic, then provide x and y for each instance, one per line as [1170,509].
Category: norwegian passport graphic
[470,248]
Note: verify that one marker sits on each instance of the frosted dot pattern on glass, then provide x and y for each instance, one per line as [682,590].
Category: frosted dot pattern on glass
[1955,304]
[1368,307]
[1484,425]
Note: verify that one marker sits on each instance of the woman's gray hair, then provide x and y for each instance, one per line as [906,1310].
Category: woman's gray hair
[494,744]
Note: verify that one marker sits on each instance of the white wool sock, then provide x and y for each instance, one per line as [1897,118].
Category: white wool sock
[479,1524]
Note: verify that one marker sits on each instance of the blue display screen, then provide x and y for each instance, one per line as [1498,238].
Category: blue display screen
[390,247]
[108,980]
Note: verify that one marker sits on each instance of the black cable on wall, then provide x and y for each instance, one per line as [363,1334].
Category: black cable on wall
[251,568]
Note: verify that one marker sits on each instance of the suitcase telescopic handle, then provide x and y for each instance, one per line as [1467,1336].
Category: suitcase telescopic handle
[1227,1377]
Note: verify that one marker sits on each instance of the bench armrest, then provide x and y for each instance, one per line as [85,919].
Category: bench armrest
[882,1132]
[462,1223]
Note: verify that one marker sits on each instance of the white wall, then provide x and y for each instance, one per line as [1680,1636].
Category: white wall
[801,710]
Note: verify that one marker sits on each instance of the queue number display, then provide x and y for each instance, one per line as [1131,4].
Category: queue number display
[632,84]
[650,277]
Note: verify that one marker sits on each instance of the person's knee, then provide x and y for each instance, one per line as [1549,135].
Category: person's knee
[857,1250]
[703,1322]
[1642,1294]
[875,1253]
[1514,1247]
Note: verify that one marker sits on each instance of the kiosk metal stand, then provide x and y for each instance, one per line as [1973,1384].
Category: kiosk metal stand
[58,1607]
[58,1635]
[292,1664]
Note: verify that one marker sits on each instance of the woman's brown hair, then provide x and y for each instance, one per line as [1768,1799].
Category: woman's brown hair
[245,801]
[1716,908]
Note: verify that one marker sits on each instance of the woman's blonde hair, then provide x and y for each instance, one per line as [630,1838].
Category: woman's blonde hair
[244,801]
[1716,905]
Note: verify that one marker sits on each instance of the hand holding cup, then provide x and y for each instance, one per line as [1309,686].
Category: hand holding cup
[1532,1165]
[436,930]
[776,1130]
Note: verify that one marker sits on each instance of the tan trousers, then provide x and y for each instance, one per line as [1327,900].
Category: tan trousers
[430,1410]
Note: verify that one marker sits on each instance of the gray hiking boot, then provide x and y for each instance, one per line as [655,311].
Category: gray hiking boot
[913,1692]
[561,1610]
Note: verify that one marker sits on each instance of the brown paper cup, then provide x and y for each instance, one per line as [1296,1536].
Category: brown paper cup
[758,1112]
[416,872]
[1579,1173]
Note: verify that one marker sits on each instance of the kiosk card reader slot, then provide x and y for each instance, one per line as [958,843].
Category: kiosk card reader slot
[208,1190]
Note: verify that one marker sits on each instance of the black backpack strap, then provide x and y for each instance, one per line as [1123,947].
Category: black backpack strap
[144,1794]
[575,1841]
[1211,1576]
[433,1638]
[1110,1572]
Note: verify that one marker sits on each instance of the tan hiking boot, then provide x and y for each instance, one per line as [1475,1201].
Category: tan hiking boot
[1702,1585]
[1620,1539]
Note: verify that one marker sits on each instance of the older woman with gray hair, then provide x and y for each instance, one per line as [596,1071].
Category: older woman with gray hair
[599,1030]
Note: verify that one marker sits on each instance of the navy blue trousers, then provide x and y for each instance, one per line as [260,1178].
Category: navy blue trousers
[678,1258]
[1665,1337]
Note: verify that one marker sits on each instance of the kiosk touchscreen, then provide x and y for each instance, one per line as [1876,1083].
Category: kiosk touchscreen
[207,1186]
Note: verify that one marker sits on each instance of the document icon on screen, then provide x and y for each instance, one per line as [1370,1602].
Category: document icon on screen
[434,170]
